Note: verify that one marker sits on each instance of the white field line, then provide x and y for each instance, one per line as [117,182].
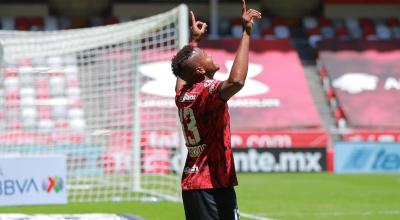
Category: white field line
[365,213]
[255,217]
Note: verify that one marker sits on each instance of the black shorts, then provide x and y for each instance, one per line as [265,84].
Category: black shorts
[210,204]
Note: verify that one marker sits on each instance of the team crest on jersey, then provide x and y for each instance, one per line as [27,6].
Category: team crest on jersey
[188,97]
[210,84]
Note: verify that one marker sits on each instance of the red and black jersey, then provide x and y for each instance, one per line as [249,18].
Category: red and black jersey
[206,126]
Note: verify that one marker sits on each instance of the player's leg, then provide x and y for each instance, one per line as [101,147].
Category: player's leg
[200,205]
[226,203]
[210,204]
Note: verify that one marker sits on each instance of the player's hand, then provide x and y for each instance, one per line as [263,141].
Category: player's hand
[198,28]
[248,17]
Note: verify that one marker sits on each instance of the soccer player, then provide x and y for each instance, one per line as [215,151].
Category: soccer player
[209,175]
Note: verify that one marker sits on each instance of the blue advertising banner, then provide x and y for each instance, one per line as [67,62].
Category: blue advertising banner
[33,180]
[367,157]
[81,159]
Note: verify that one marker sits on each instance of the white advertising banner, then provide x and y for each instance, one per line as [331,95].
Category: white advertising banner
[33,180]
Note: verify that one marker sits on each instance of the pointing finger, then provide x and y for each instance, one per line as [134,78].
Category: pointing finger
[193,18]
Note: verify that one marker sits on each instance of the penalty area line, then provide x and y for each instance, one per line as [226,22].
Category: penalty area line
[255,217]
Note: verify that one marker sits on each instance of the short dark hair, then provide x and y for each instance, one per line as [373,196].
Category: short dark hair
[179,59]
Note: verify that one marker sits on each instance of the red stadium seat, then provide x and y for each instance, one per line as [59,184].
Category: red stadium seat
[267,33]
[14,125]
[330,93]
[338,113]
[342,33]
[41,81]
[393,22]
[42,93]
[12,94]
[366,22]
[72,81]
[278,22]
[37,23]
[314,31]
[44,112]
[324,22]
[61,123]
[22,24]
[9,72]
[323,72]
[112,20]
[25,62]
[369,32]
[236,21]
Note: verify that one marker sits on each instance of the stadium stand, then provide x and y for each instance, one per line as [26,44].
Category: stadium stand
[313,81]
[59,93]
[44,102]
[266,28]
[322,33]
[350,28]
[360,79]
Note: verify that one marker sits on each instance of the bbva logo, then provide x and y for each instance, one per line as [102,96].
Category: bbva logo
[163,81]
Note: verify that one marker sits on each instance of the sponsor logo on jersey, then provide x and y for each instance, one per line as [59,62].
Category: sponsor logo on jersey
[188,97]
[193,169]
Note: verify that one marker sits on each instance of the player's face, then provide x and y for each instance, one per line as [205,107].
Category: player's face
[206,62]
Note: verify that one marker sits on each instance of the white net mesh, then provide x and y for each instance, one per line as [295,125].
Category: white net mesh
[78,93]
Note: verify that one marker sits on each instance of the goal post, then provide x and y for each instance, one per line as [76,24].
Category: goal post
[81,93]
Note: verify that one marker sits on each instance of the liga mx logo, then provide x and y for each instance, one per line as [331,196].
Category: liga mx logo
[51,184]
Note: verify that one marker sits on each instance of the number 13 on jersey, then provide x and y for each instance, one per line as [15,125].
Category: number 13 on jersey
[189,126]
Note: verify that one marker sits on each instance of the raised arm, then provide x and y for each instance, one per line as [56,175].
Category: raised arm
[238,73]
[197,30]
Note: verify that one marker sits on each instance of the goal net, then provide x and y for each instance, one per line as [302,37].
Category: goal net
[91,94]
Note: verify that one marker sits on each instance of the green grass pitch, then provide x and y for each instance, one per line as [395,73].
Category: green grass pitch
[275,196]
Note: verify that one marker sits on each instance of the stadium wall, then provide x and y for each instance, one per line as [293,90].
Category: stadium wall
[226,10]
[24,10]
[362,10]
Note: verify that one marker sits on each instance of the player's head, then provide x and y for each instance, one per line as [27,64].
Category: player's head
[192,64]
